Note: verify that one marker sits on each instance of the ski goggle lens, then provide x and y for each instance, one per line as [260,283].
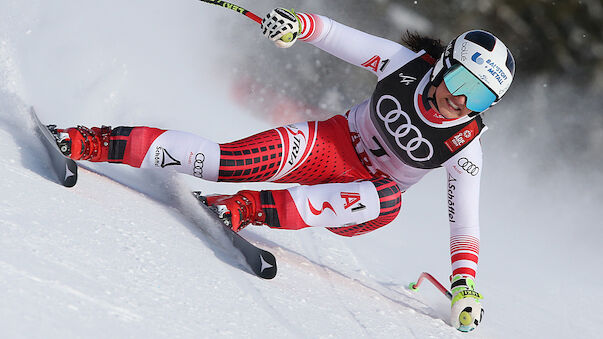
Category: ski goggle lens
[462,82]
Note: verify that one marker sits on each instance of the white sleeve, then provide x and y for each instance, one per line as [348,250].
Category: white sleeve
[464,172]
[356,47]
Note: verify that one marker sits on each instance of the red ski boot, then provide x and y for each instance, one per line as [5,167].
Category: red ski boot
[82,143]
[238,210]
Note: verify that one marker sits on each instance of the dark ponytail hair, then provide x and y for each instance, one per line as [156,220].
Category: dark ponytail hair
[417,42]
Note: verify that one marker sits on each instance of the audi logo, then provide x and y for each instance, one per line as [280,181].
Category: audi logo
[468,166]
[404,129]
[198,169]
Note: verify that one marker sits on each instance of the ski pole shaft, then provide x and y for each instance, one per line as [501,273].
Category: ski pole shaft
[236,8]
[415,286]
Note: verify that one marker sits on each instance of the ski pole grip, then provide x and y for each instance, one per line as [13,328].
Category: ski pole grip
[415,286]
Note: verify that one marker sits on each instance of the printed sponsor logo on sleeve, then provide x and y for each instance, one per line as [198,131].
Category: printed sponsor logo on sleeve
[468,166]
[462,137]
[298,140]
[451,190]
[352,199]
[374,62]
[325,205]
[164,159]
[198,165]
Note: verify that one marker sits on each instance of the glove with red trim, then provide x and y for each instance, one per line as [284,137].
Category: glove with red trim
[281,26]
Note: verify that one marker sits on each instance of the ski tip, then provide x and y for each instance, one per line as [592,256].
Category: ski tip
[266,267]
[70,174]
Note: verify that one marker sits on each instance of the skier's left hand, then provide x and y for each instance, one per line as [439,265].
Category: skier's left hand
[281,26]
[466,312]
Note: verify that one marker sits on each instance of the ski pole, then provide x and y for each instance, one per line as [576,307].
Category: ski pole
[415,286]
[234,7]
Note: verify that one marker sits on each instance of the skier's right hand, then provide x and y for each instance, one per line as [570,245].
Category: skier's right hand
[281,26]
[466,312]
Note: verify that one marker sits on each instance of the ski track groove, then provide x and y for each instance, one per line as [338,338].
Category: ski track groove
[246,284]
[121,312]
[409,302]
[333,287]
[215,238]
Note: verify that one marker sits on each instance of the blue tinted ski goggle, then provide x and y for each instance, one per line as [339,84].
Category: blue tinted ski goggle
[462,82]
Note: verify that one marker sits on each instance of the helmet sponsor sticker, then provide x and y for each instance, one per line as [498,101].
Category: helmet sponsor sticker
[496,72]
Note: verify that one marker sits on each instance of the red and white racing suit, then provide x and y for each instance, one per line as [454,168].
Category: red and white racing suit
[352,168]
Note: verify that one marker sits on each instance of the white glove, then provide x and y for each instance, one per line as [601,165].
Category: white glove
[281,26]
[466,312]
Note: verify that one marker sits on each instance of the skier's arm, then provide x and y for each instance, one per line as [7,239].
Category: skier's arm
[464,171]
[356,47]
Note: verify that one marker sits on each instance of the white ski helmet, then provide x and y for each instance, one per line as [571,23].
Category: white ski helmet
[485,56]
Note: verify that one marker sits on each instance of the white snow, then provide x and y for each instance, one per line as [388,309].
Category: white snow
[113,257]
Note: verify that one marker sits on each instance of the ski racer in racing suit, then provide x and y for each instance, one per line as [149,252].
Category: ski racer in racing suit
[352,168]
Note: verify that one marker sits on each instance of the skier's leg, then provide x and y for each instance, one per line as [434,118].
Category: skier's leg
[319,153]
[390,202]
[347,209]
[146,147]
[307,153]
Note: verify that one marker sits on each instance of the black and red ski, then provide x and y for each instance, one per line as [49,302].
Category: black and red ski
[261,262]
[65,168]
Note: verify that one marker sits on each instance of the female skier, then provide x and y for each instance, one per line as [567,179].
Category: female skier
[423,114]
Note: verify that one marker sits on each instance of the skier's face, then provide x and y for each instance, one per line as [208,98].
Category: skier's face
[450,106]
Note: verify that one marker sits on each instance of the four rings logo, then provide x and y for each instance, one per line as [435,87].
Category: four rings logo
[468,166]
[405,129]
[198,166]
